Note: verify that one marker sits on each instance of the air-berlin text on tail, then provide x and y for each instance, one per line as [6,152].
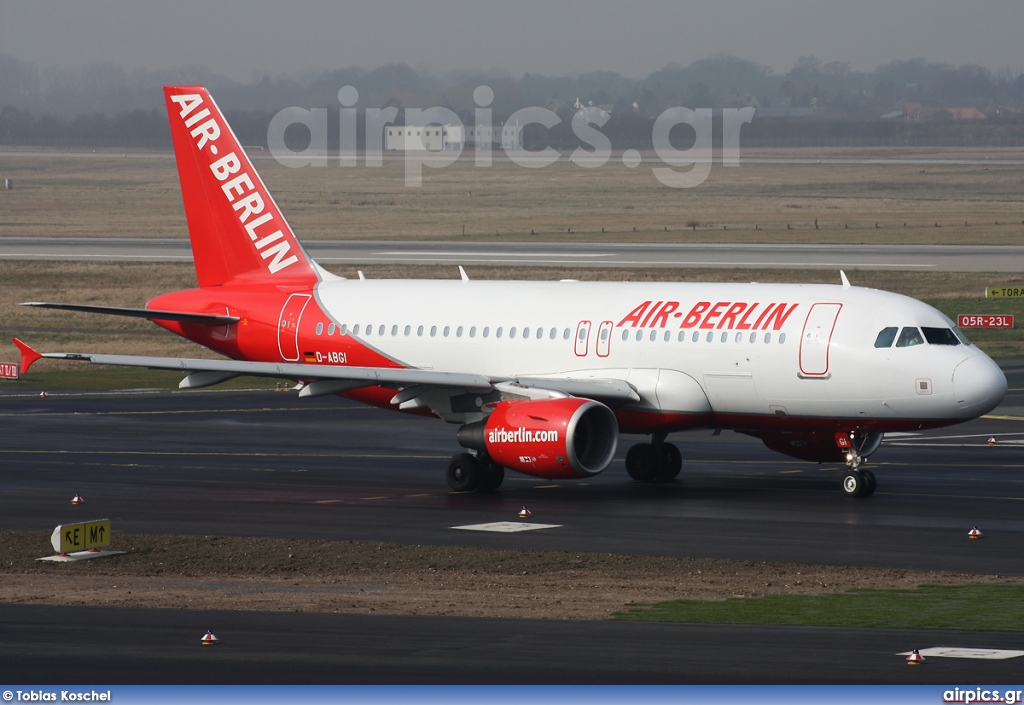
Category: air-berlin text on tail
[521,435]
[243,195]
[729,315]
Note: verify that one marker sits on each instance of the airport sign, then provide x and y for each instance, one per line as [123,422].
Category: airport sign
[1004,292]
[984,320]
[9,370]
[83,536]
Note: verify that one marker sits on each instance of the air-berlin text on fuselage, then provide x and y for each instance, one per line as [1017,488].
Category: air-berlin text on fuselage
[707,315]
[521,435]
[241,192]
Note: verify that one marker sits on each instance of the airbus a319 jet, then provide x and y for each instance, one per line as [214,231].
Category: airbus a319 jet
[542,377]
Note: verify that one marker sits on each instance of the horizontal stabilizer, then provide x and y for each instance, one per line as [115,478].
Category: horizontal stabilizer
[202,319]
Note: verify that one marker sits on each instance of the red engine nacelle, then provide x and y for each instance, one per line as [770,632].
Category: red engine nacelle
[551,438]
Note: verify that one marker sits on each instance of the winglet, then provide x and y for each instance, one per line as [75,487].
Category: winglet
[28,355]
[846,282]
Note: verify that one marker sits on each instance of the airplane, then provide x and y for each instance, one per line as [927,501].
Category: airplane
[542,377]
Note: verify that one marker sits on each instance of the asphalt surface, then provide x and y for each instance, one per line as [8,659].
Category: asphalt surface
[936,258]
[270,464]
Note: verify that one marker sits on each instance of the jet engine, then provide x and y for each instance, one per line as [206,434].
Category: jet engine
[551,438]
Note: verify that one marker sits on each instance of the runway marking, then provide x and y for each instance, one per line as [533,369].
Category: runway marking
[372,499]
[424,494]
[1005,418]
[546,487]
[329,501]
[789,472]
[506,527]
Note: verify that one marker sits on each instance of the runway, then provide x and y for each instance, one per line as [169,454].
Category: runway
[935,258]
[270,464]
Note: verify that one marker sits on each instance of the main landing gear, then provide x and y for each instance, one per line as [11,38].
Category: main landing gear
[474,473]
[656,461]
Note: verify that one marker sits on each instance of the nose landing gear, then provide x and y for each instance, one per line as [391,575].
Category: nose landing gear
[858,482]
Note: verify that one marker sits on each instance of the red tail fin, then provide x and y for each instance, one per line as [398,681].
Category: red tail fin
[237,230]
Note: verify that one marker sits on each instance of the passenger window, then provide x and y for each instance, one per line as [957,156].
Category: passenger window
[885,337]
[782,338]
[625,335]
[380,331]
[319,328]
[940,336]
[355,331]
[433,331]
[408,330]
[344,329]
[909,337]
[394,331]
[668,335]
[696,336]
[565,334]
[639,335]
[330,329]
[654,335]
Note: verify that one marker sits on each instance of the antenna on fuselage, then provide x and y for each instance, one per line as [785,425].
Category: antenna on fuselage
[362,277]
[462,273]
[846,282]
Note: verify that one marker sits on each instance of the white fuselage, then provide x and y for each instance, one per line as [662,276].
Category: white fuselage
[742,351]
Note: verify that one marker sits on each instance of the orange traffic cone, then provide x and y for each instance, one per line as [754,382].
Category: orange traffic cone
[525,513]
[77,499]
[915,658]
[974,533]
[209,639]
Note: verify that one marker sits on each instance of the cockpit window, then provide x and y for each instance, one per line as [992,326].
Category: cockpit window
[940,336]
[909,337]
[960,336]
[885,337]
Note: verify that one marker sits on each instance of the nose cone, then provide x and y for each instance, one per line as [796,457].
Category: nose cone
[978,385]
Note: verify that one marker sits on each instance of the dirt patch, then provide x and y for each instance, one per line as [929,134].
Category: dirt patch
[210,572]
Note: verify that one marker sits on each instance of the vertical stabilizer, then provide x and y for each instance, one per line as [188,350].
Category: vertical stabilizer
[236,228]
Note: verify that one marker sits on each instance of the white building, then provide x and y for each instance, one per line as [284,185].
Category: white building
[438,138]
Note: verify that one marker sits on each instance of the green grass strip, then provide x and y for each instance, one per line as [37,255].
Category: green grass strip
[990,607]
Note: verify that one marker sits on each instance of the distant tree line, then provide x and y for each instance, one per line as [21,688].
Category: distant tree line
[815,103]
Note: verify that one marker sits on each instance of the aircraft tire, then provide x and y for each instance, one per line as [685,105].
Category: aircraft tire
[670,462]
[642,462]
[854,484]
[870,483]
[465,473]
[493,476]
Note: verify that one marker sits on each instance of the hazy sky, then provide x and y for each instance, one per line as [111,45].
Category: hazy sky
[244,39]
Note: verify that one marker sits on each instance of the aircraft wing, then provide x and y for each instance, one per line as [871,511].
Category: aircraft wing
[326,379]
[151,314]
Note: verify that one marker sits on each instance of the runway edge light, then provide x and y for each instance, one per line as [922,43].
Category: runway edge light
[525,513]
[974,533]
[77,499]
[915,658]
[209,639]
